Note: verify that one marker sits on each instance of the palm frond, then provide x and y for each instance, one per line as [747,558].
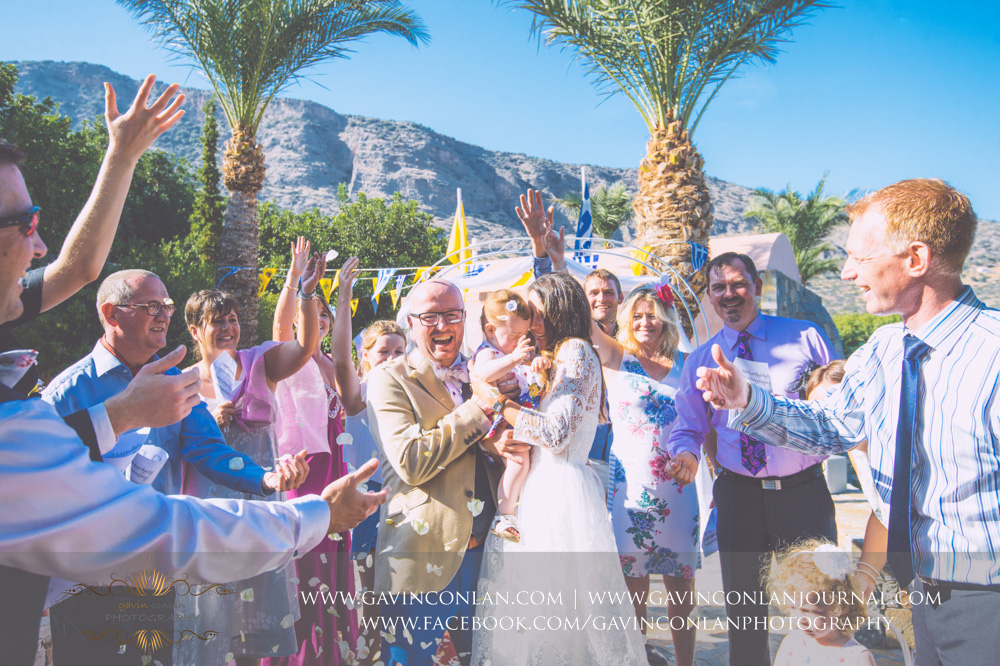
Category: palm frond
[252,50]
[667,56]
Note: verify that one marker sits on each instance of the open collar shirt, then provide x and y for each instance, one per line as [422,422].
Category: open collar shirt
[955,469]
[195,439]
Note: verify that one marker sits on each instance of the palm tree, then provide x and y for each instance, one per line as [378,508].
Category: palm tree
[807,223]
[610,208]
[250,51]
[670,58]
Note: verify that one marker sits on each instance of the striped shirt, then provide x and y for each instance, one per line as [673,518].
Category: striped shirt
[955,479]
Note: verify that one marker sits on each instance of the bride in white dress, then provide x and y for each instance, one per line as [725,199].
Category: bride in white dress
[558,596]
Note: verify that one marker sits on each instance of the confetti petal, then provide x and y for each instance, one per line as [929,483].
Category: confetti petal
[369,561]
[475,506]
[236,464]
[247,595]
[314,581]
[288,621]
[322,558]
[345,439]
[420,526]
[433,569]
[335,537]
[229,657]
[146,659]
[274,650]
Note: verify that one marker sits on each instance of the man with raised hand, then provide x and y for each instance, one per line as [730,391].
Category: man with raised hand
[65,515]
[924,395]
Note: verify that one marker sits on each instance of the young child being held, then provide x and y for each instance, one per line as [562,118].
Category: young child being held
[812,582]
[508,346]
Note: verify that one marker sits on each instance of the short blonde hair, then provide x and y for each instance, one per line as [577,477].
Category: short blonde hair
[496,311]
[831,372]
[667,316]
[927,210]
[796,573]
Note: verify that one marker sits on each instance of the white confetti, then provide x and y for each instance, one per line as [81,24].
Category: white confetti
[333,537]
[388,638]
[229,657]
[433,569]
[314,581]
[475,506]
[363,651]
[369,560]
[236,464]
[345,439]
[274,650]
[243,637]
[294,580]
[424,646]
[247,595]
[288,621]
[146,659]
[420,526]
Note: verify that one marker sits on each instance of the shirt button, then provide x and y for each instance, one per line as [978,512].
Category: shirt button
[468,493]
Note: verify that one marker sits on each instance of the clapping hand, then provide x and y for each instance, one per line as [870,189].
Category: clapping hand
[724,387]
[131,133]
[314,271]
[300,259]
[555,245]
[348,505]
[290,472]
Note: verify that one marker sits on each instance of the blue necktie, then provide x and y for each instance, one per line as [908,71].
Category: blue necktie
[752,452]
[900,555]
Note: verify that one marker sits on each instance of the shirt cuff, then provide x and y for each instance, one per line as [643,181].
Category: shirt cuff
[314,521]
[105,434]
[759,410]
[542,265]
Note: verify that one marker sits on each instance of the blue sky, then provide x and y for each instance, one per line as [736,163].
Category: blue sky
[873,91]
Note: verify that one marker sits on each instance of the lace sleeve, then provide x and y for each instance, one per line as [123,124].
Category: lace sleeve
[575,389]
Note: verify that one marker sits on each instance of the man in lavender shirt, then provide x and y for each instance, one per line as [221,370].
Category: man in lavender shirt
[767,497]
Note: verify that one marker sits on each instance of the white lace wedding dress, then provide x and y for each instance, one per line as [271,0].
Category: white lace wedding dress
[558,597]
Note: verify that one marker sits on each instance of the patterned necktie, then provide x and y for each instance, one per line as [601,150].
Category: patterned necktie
[900,555]
[751,450]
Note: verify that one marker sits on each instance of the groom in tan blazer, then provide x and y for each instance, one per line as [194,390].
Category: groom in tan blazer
[429,429]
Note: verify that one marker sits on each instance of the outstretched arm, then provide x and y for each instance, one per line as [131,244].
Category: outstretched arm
[88,243]
[348,384]
[285,359]
[284,312]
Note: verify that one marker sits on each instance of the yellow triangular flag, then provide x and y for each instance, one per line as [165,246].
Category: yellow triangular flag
[640,255]
[336,280]
[458,243]
[374,284]
[523,279]
[264,279]
[354,306]
[395,298]
[326,284]
[419,274]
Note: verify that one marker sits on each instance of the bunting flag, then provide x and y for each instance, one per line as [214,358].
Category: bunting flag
[699,255]
[585,225]
[523,280]
[358,341]
[400,281]
[354,306]
[458,243]
[419,275]
[475,269]
[374,284]
[640,255]
[374,300]
[384,275]
[336,280]
[264,279]
[326,284]
[395,297]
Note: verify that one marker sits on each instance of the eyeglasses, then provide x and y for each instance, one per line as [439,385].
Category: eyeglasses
[429,319]
[28,220]
[153,308]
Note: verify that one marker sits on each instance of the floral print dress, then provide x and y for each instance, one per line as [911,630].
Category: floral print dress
[655,520]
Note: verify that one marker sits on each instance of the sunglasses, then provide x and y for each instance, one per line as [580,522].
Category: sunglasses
[28,220]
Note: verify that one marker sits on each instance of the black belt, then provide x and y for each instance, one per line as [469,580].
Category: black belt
[936,584]
[776,482]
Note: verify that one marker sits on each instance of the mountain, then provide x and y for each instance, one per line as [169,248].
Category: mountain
[310,149]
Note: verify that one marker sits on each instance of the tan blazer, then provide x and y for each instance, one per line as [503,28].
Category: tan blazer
[427,453]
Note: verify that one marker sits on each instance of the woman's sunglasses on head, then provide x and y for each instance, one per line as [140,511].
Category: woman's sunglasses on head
[28,220]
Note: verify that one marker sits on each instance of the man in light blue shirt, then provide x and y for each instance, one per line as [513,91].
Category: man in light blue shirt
[924,394]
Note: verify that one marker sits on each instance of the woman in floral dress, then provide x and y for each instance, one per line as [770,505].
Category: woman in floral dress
[655,520]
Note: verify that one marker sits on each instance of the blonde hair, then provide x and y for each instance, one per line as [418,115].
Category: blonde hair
[796,573]
[496,310]
[927,210]
[667,316]
[831,372]
[371,335]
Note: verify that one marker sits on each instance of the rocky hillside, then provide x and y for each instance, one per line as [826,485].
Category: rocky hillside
[311,149]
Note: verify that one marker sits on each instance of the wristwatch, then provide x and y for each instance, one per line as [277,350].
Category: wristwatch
[499,404]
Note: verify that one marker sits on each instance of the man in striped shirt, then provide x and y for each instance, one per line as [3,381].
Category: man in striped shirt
[926,395]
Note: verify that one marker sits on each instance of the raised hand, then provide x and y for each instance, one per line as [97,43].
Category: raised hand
[525,348]
[131,133]
[534,217]
[300,259]
[348,276]
[555,245]
[154,399]
[349,506]
[314,271]
[290,472]
[725,387]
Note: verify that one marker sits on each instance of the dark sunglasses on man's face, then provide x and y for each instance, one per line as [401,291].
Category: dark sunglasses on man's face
[28,220]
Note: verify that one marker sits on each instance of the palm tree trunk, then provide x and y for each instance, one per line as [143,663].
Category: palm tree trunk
[673,205]
[243,176]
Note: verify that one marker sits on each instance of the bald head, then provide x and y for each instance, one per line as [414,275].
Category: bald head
[439,342]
